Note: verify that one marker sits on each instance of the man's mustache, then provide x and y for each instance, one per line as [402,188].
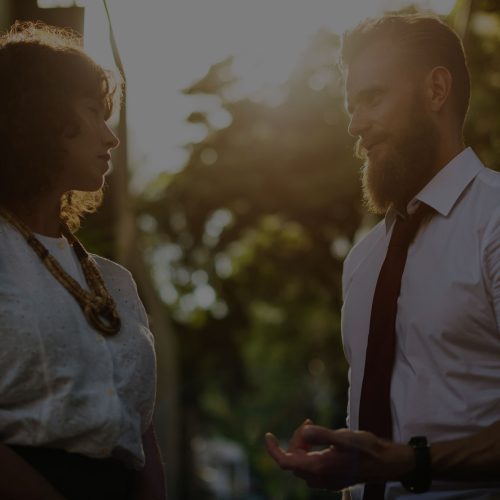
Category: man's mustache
[360,151]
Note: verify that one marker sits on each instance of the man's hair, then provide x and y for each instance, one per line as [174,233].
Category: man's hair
[43,71]
[426,40]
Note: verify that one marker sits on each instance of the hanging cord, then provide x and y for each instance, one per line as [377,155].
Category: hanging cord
[114,45]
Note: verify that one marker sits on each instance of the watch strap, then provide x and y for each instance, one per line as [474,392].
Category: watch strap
[419,480]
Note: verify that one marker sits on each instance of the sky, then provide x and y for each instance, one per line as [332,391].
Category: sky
[166,45]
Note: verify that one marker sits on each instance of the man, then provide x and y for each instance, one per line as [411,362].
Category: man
[421,314]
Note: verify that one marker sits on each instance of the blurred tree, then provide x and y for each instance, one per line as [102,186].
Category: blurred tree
[480,24]
[254,230]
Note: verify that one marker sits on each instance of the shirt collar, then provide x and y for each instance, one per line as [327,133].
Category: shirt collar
[443,190]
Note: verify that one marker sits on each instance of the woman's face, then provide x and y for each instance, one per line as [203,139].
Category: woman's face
[86,154]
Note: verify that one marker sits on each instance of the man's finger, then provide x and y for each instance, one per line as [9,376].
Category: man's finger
[276,452]
[298,442]
[299,461]
[342,439]
[316,435]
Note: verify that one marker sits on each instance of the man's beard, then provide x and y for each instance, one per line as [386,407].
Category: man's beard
[405,168]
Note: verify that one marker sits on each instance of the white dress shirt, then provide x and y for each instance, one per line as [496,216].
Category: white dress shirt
[446,378]
[62,383]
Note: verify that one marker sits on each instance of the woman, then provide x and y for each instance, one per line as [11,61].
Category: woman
[77,365]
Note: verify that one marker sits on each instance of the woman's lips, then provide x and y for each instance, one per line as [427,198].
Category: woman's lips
[106,157]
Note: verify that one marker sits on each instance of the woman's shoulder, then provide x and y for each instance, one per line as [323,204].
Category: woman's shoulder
[121,285]
[111,270]
[116,276]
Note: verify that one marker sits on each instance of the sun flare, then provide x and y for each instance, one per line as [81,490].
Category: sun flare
[166,46]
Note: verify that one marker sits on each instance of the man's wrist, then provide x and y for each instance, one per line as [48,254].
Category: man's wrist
[402,462]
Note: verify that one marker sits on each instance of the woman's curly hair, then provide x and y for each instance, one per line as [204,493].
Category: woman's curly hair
[44,70]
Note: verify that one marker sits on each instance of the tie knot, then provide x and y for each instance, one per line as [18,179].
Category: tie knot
[405,229]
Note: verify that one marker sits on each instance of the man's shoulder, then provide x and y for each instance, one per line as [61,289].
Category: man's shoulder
[483,195]
[485,204]
[488,179]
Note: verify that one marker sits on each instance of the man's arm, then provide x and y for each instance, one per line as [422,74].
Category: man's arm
[473,458]
[151,480]
[21,481]
[351,457]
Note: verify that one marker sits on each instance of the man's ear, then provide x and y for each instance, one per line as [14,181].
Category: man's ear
[438,87]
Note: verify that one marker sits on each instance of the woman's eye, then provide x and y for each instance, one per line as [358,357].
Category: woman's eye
[95,110]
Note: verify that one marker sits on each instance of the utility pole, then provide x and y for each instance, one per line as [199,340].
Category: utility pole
[128,253]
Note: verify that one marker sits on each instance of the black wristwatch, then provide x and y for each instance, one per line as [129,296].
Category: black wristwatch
[419,480]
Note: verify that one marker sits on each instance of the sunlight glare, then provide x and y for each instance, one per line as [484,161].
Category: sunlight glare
[167,46]
[49,4]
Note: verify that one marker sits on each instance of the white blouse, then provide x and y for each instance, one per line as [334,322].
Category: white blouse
[62,383]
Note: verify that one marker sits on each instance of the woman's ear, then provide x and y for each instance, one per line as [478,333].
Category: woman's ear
[438,87]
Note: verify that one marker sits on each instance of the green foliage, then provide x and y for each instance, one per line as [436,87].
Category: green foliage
[266,208]
[482,44]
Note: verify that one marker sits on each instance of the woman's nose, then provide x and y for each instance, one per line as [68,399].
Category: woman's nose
[110,138]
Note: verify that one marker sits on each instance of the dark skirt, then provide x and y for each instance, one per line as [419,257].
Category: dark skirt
[78,477]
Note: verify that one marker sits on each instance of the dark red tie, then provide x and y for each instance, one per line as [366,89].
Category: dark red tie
[375,403]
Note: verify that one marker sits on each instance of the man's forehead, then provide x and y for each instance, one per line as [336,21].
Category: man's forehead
[374,66]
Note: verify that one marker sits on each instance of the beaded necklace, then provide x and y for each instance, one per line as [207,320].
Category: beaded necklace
[97,305]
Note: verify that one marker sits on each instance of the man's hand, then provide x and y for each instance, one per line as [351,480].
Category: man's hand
[346,458]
